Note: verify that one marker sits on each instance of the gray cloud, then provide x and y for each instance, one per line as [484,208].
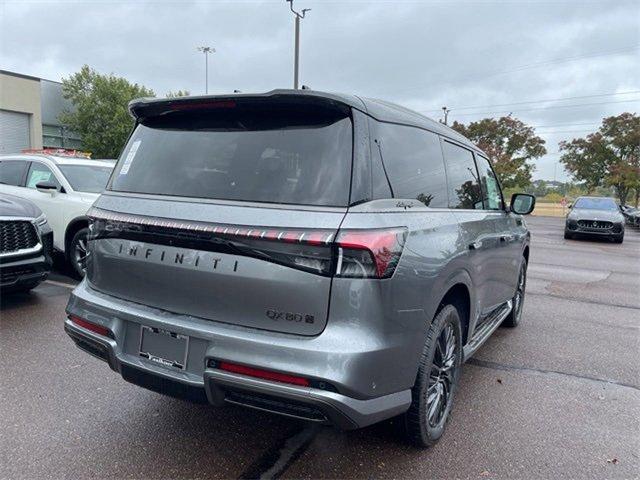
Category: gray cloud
[422,54]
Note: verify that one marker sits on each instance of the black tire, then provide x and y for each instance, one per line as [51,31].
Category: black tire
[424,427]
[568,236]
[77,253]
[517,302]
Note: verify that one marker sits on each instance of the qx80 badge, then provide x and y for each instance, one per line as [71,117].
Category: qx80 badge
[274,314]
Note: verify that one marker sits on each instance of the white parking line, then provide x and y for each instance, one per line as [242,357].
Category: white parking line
[61,284]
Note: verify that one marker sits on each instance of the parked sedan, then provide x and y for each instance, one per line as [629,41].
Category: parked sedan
[26,243]
[595,216]
[631,215]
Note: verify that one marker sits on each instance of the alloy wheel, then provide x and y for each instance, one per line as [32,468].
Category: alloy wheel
[442,376]
[80,254]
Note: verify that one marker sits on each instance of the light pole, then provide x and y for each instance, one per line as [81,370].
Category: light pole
[296,56]
[446,111]
[206,51]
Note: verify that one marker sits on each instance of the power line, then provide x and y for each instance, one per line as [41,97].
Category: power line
[542,64]
[565,125]
[540,101]
[549,107]
[553,132]
[569,59]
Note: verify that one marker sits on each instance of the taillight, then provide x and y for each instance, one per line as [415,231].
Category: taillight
[354,253]
[292,248]
[99,329]
[369,253]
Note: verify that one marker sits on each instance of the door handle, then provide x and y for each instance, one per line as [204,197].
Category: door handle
[477,245]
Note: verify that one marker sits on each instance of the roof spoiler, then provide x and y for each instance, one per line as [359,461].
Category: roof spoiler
[142,108]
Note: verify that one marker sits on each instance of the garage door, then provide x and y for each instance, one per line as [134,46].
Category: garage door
[14,132]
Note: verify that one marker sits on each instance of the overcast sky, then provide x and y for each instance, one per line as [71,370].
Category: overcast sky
[421,54]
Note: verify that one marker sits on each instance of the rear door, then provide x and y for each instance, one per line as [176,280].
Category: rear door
[228,214]
[465,196]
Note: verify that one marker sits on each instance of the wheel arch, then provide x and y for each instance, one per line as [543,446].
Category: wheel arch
[74,225]
[459,296]
[458,290]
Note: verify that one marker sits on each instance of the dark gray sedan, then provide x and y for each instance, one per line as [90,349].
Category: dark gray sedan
[595,216]
[631,215]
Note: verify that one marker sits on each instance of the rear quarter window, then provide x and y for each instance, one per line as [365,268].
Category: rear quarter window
[412,158]
[464,186]
[12,172]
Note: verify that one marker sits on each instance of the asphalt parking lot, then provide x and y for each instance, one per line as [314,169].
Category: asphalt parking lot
[558,397]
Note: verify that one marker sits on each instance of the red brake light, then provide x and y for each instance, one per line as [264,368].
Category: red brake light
[369,253]
[100,330]
[264,374]
[204,105]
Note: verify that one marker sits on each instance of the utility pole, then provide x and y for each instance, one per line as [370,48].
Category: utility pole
[206,51]
[445,111]
[296,55]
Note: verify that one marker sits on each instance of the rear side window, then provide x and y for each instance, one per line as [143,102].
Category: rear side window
[40,173]
[492,196]
[12,172]
[464,187]
[86,178]
[413,162]
[259,154]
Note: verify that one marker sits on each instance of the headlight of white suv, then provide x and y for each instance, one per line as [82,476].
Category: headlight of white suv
[41,220]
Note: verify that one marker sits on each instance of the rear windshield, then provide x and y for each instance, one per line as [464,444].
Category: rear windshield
[596,204]
[259,155]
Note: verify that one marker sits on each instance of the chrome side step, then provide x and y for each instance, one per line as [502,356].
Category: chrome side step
[486,328]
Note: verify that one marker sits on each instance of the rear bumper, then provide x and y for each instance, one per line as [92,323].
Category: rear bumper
[203,383]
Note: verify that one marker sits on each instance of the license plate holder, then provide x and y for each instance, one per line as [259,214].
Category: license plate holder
[163,347]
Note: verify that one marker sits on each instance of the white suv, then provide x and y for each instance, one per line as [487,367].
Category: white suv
[64,188]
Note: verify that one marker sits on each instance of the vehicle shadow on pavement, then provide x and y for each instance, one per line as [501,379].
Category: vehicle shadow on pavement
[12,301]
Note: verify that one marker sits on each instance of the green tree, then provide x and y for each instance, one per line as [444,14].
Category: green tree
[539,188]
[511,145]
[178,93]
[100,114]
[609,157]
[586,159]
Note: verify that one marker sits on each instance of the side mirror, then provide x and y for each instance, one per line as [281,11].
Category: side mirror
[570,205]
[47,187]
[522,203]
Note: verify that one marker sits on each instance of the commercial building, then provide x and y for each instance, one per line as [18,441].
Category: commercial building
[29,112]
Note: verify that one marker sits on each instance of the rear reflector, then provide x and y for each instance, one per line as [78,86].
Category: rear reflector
[100,330]
[264,374]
